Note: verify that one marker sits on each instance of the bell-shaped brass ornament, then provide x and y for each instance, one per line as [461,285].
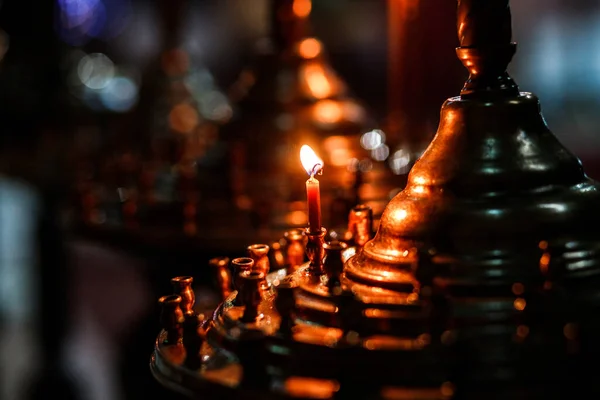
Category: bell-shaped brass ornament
[493,184]
[497,228]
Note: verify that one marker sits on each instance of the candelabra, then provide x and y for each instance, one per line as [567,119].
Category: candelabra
[481,281]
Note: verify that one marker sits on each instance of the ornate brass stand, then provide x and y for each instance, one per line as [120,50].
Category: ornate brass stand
[482,281]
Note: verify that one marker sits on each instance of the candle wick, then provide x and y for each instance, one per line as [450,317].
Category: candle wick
[317,169]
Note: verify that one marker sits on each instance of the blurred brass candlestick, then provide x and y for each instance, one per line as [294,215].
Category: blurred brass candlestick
[295,248]
[182,286]
[220,266]
[276,256]
[285,305]
[250,293]
[241,264]
[360,224]
[171,317]
[334,265]
[315,251]
[192,340]
[260,254]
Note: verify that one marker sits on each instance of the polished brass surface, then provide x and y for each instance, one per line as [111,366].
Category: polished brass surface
[494,168]
[471,232]
[493,183]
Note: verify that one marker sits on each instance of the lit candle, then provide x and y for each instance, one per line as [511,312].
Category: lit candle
[312,164]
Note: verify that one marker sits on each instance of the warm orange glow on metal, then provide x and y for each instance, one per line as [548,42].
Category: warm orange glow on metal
[311,162]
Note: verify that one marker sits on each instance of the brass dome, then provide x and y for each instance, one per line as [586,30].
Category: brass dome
[493,184]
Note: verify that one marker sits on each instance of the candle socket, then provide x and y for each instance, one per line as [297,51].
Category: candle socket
[241,264]
[315,251]
[285,304]
[192,341]
[334,265]
[276,257]
[171,317]
[260,254]
[220,267]
[182,286]
[251,282]
[360,224]
[295,248]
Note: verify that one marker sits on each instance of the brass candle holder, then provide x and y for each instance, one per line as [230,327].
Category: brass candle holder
[315,251]
[481,281]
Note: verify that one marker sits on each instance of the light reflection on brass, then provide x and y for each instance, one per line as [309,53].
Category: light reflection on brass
[311,387]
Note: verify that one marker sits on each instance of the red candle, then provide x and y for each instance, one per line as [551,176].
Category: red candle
[313,196]
[312,164]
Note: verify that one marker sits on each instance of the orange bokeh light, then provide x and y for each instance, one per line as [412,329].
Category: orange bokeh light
[316,80]
[183,118]
[309,48]
[302,8]
[328,111]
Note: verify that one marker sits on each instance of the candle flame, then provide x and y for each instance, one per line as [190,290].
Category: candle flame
[310,160]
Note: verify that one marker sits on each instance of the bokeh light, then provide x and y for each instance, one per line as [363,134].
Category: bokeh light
[372,139]
[120,95]
[79,21]
[95,70]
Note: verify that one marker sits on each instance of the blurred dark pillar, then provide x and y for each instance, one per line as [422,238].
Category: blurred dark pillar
[30,79]
[32,136]
[422,67]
